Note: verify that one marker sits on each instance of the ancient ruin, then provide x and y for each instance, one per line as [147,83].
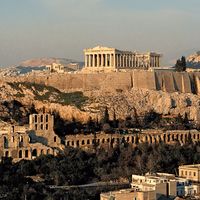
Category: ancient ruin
[131,137]
[102,59]
[29,141]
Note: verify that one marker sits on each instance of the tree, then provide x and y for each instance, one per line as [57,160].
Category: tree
[106,116]
[180,65]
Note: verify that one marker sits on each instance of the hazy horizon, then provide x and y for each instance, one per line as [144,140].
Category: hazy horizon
[63,28]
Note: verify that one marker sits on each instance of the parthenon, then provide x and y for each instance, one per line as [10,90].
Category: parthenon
[111,59]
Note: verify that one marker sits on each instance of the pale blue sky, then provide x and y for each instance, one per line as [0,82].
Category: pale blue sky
[63,28]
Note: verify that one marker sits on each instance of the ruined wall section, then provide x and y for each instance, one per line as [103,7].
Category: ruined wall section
[166,81]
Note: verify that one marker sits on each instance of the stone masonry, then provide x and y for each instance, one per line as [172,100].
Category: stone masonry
[101,59]
[29,141]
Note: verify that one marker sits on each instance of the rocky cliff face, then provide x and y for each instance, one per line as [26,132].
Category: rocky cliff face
[193,60]
[142,101]
[92,103]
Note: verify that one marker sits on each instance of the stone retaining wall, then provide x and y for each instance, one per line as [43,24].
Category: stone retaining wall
[167,81]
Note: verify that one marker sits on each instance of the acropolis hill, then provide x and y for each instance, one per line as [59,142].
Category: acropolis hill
[128,85]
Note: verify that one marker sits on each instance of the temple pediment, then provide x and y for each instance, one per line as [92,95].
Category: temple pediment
[100,48]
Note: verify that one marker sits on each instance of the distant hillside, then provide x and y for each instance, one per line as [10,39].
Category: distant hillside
[193,61]
[37,65]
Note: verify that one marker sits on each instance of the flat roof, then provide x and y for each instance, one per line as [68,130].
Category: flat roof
[194,166]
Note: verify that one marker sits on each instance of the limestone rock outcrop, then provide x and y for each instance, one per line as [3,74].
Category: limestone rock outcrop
[122,103]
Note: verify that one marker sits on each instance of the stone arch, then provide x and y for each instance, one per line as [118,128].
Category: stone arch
[48,151]
[41,151]
[83,142]
[20,153]
[168,137]
[77,143]
[7,154]
[68,143]
[133,139]
[103,141]
[34,153]
[127,139]
[181,137]
[146,139]
[13,139]
[186,137]
[164,138]
[72,143]
[108,140]
[173,137]
[55,139]
[150,139]
[5,142]
[155,139]
[88,141]
[177,137]
[26,153]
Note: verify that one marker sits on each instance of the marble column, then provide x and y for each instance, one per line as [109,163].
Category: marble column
[89,60]
[102,60]
[98,60]
[85,60]
[93,60]
[106,60]
[114,60]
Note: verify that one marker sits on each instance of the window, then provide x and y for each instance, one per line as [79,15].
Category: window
[103,140]
[83,142]
[35,118]
[194,173]
[181,173]
[36,127]
[47,118]
[41,126]
[47,127]
[5,142]
[54,138]
[41,118]
[88,141]
[186,173]
[34,153]
[26,154]
[189,173]
[20,154]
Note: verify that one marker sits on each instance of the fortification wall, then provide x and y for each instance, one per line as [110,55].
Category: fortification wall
[167,81]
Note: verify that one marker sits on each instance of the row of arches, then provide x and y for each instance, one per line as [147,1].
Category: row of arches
[131,139]
[107,140]
[19,140]
[28,153]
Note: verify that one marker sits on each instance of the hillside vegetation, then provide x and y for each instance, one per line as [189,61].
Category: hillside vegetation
[48,94]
